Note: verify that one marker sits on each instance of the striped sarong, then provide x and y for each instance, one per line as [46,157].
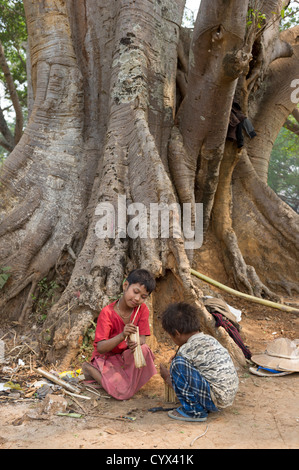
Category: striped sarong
[192,390]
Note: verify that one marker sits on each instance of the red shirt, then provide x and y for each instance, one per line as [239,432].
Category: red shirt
[110,324]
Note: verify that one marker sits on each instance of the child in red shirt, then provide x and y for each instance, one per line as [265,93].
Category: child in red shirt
[112,363]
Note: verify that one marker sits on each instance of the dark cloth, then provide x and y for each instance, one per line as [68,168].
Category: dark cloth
[248,127]
[237,122]
[232,331]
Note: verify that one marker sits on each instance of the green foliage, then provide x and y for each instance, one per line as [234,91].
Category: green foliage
[283,176]
[86,348]
[13,36]
[89,335]
[44,298]
[289,17]
[3,155]
[4,276]
[255,16]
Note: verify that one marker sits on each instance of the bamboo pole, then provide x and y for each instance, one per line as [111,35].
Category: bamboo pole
[257,300]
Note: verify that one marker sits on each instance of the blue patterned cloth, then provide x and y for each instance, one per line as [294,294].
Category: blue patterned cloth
[192,390]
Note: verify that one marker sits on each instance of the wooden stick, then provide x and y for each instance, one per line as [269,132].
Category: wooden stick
[31,349]
[200,435]
[112,417]
[136,314]
[133,319]
[76,401]
[89,389]
[57,381]
[258,300]
[76,395]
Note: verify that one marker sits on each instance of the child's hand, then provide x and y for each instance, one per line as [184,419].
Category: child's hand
[165,374]
[129,329]
[132,345]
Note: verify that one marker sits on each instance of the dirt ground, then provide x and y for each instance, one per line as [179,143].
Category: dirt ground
[265,414]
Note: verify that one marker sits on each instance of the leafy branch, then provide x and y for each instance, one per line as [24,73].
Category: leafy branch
[255,17]
[4,275]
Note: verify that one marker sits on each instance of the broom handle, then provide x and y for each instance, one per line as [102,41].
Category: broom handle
[136,313]
[133,320]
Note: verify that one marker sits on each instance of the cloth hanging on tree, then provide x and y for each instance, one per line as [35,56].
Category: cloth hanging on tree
[232,331]
[227,319]
[214,304]
[237,122]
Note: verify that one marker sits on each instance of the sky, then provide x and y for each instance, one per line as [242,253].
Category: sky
[193,5]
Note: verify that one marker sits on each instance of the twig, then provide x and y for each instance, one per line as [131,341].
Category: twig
[16,347]
[89,389]
[112,417]
[31,349]
[200,435]
[78,396]
[4,335]
[76,401]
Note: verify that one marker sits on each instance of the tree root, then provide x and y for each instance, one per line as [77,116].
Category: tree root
[245,276]
[289,287]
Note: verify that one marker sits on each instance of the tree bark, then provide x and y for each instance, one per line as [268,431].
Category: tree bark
[48,162]
[104,130]
[216,61]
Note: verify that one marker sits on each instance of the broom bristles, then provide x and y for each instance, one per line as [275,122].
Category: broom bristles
[138,354]
[169,394]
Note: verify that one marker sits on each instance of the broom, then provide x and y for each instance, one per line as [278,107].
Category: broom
[169,394]
[138,354]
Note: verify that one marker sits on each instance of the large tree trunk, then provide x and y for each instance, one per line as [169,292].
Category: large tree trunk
[103,129]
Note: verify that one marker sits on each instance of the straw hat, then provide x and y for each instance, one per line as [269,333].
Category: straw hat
[281,354]
[262,372]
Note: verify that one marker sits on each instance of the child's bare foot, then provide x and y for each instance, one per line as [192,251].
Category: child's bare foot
[91,374]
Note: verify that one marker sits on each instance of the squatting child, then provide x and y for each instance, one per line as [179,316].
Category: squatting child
[202,372]
[112,363]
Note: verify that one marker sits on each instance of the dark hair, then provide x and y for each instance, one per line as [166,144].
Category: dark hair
[181,317]
[142,277]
